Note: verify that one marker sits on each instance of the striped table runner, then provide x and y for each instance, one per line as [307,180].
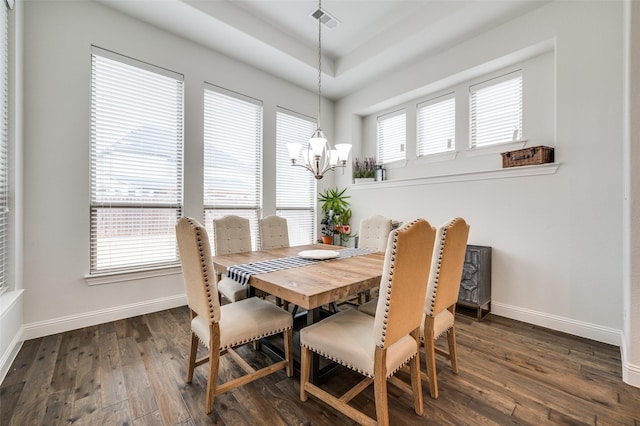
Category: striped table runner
[242,273]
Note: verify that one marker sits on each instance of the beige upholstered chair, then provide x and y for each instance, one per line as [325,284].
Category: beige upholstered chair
[231,234]
[377,347]
[274,232]
[374,232]
[442,295]
[221,328]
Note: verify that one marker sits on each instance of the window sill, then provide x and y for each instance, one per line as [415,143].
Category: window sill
[436,158]
[98,279]
[535,170]
[496,149]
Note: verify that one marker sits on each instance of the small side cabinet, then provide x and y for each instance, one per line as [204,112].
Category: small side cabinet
[475,286]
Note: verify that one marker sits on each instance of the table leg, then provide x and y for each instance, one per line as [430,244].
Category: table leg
[313,316]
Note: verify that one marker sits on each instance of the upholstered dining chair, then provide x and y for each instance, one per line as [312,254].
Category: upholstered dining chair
[231,234]
[442,295]
[222,328]
[377,347]
[274,232]
[374,232]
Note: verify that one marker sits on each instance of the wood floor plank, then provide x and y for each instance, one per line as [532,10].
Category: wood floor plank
[117,414]
[31,406]
[18,370]
[132,371]
[139,393]
[113,389]
[59,408]
[88,374]
[164,387]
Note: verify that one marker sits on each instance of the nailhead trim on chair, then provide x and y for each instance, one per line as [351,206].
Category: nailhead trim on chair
[249,340]
[204,266]
[394,247]
[354,368]
[431,297]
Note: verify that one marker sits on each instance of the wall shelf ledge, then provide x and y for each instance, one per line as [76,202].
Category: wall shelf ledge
[511,172]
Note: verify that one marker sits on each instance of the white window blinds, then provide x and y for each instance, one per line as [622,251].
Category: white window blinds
[496,110]
[4,142]
[232,157]
[295,186]
[136,164]
[392,135]
[436,125]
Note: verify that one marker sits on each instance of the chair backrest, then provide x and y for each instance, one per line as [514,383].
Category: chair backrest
[197,269]
[404,281]
[446,269]
[374,232]
[231,234]
[274,232]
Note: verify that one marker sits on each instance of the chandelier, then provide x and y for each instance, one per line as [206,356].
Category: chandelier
[319,157]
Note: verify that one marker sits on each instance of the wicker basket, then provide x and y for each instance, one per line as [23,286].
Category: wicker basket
[527,156]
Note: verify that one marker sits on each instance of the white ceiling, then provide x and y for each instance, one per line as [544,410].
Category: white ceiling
[281,37]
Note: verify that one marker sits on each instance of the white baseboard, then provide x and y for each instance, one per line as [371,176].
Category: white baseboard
[587,330]
[11,330]
[73,322]
[10,354]
[630,372]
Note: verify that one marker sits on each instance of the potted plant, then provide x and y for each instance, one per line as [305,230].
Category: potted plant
[364,169]
[328,228]
[337,214]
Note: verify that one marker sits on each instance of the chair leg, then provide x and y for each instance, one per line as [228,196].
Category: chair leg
[430,361]
[193,351]
[305,365]
[453,351]
[416,381]
[212,380]
[380,392]
[288,350]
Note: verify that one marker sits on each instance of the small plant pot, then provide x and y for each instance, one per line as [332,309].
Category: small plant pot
[327,240]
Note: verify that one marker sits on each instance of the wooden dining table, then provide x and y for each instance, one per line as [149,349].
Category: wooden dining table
[310,286]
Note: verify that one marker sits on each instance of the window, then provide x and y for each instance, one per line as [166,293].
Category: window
[4,142]
[232,157]
[136,164]
[496,110]
[437,125]
[295,186]
[392,135]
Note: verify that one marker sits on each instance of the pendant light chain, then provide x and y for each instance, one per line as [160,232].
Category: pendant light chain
[320,156]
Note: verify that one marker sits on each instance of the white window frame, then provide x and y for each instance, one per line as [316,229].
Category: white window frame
[133,221]
[496,111]
[391,131]
[232,126]
[296,188]
[4,147]
[436,125]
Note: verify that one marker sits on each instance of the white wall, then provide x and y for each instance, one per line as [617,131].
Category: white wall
[58,39]
[556,238]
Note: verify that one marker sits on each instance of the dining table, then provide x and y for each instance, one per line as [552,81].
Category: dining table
[312,284]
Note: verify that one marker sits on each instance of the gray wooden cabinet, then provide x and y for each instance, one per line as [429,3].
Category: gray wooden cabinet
[475,285]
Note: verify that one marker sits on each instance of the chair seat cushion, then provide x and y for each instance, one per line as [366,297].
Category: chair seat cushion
[245,321]
[443,322]
[232,290]
[347,338]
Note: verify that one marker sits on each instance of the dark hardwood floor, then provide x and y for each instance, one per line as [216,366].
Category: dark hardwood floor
[132,372]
